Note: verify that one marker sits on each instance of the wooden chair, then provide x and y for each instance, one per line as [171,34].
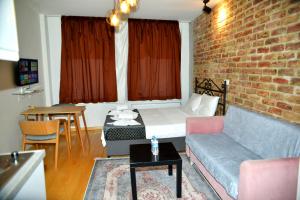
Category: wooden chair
[43,132]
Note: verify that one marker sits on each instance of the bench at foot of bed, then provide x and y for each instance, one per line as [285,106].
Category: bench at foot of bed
[121,147]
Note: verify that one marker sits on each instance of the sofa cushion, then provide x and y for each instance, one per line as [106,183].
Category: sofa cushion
[221,156]
[264,135]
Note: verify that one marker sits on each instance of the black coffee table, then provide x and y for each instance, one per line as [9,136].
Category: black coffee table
[141,156]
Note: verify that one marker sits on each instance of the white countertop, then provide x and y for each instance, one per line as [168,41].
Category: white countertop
[10,189]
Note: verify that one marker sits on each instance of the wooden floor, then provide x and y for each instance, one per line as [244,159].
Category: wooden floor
[69,181]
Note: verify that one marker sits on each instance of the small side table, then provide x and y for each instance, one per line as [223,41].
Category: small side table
[141,156]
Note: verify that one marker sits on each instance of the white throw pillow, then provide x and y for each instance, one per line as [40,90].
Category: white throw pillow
[208,105]
[193,103]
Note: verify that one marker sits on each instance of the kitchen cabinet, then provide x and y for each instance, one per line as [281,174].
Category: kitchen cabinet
[9,48]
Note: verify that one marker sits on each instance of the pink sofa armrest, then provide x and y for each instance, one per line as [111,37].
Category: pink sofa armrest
[198,125]
[268,179]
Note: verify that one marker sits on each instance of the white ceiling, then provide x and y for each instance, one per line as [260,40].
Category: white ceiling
[182,10]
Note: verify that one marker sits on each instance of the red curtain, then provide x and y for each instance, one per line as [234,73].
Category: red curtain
[154,60]
[88,72]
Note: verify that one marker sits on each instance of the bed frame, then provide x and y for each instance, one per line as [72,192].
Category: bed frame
[207,86]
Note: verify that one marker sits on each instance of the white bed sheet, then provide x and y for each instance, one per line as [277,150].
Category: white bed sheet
[164,122]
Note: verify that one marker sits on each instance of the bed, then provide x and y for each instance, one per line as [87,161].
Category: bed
[167,124]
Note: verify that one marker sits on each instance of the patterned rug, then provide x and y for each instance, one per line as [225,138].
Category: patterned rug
[110,180]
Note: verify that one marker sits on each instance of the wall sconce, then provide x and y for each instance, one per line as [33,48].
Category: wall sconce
[222,16]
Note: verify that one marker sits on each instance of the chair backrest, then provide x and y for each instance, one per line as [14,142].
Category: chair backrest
[39,127]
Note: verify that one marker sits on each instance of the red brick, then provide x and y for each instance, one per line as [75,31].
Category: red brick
[260,107]
[291,116]
[238,100]
[264,64]
[295,81]
[250,91]
[270,102]
[277,48]
[275,111]
[294,28]
[278,31]
[280,80]
[263,50]
[294,63]
[294,99]
[277,96]
[262,93]
[258,50]
[293,46]
[286,72]
[263,34]
[279,15]
[284,106]
[266,78]
[285,89]
[295,9]
[258,43]
[260,13]
[272,41]
[270,71]
[259,28]
[253,78]
[255,58]
[248,103]
[285,56]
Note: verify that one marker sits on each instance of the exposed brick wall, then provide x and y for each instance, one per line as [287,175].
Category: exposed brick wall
[256,47]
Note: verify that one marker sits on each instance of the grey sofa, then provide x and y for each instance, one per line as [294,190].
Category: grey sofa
[246,155]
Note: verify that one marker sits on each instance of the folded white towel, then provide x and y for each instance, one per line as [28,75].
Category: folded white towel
[123,115]
[114,112]
[125,123]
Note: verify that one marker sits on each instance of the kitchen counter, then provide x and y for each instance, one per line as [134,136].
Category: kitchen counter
[26,182]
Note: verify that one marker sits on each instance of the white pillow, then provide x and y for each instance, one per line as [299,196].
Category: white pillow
[193,103]
[208,105]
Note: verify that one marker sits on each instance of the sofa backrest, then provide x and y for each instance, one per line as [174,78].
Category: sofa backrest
[266,136]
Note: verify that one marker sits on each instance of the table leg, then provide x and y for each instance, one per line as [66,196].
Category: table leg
[85,126]
[133,183]
[179,177]
[69,130]
[170,170]
[77,125]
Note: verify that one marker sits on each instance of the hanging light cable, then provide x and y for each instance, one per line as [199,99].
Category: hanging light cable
[120,12]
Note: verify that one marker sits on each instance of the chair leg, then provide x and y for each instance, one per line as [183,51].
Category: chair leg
[69,130]
[67,138]
[56,152]
[24,146]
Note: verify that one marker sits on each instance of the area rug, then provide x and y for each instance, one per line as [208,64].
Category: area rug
[110,180]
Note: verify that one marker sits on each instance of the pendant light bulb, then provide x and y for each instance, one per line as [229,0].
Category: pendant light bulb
[114,19]
[124,7]
[132,3]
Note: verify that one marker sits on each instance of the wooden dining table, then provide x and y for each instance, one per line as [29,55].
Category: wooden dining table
[69,111]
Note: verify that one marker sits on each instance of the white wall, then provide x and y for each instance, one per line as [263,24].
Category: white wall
[12,105]
[95,113]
